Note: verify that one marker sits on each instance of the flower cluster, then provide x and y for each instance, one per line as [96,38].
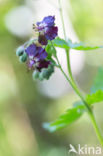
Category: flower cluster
[34,53]
[47,29]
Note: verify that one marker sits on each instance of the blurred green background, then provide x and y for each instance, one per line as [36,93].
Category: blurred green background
[23,109]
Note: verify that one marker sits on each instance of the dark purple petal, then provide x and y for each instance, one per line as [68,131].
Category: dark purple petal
[42,39]
[46,22]
[49,21]
[41,55]
[51,33]
[31,50]
[43,64]
[36,56]
[47,30]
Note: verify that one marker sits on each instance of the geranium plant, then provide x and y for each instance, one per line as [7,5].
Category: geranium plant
[40,56]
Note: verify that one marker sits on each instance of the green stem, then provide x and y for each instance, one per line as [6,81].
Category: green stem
[67,51]
[97,130]
[74,86]
[62,19]
[68,64]
[91,115]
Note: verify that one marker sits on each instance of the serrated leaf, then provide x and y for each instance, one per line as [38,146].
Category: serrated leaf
[95,97]
[74,113]
[61,43]
[67,118]
[97,89]
[58,42]
[98,81]
[82,46]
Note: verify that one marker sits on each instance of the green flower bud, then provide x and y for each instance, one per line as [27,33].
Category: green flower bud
[20,51]
[41,78]
[51,68]
[23,58]
[35,75]
[46,72]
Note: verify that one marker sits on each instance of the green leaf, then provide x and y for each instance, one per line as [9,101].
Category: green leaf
[97,89]
[82,46]
[98,81]
[95,97]
[58,42]
[50,50]
[67,118]
[61,43]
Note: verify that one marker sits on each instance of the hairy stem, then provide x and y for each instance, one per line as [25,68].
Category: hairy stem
[73,83]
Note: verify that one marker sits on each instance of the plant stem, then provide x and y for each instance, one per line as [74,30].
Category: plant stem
[73,84]
[97,130]
[62,19]
[91,115]
[67,51]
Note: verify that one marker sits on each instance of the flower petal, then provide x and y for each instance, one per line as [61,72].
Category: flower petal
[46,22]
[49,21]
[30,63]
[41,55]
[43,64]
[51,33]
[31,50]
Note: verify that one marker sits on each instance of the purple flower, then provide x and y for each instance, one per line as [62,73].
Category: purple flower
[47,30]
[46,22]
[51,33]
[43,64]
[36,57]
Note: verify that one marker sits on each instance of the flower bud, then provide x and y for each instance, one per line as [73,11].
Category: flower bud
[20,51]
[23,57]
[46,72]
[35,75]
[41,78]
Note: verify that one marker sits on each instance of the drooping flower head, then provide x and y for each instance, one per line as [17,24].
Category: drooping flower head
[47,29]
[36,57]
[33,52]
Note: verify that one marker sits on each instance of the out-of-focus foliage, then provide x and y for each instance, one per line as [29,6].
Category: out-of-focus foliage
[87,19]
[98,81]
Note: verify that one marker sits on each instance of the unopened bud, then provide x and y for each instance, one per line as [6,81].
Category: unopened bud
[23,57]
[35,75]
[20,51]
